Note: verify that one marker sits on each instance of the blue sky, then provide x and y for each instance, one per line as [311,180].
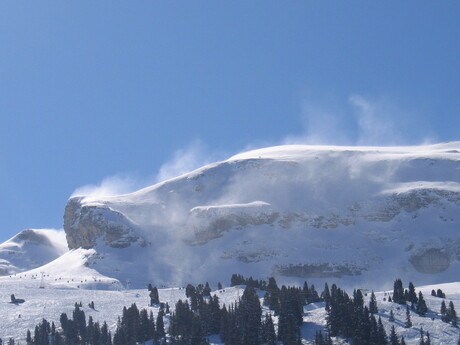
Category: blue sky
[126,93]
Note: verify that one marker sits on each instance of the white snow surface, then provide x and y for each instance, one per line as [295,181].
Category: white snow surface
[364,212]
[367,211]
[31,248]
[60,296]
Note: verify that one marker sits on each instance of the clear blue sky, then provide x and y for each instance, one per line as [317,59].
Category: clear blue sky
[91,89]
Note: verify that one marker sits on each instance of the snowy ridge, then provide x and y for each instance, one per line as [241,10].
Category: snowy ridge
[316,212]
[31,248]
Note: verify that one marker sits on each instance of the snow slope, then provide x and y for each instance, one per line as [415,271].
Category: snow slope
[31,248]
[346,214]
[57,297]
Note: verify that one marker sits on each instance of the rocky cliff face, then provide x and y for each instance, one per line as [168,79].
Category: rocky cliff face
[298,211]
[86,225]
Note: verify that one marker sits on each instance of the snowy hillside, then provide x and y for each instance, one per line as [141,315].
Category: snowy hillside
[30,249]
[349,214]
[58,296]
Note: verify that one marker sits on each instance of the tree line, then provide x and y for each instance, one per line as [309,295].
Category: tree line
[201,315]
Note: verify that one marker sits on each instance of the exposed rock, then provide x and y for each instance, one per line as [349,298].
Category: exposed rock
[430,260]
[84,225]
[317,270]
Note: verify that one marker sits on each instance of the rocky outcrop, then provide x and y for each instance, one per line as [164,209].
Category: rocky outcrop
[318,270]
[430,260]
[85,225]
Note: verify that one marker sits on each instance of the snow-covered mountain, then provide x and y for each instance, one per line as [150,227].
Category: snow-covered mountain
[354,214]
[31,248]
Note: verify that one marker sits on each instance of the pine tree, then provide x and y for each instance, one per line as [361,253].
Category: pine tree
[408,323]
[249,313]
[272,295]
[443,312]
[421,306]
[29,338]
[373,333]
[411,295]
[422,338]
[392,316]
[219,286]
[398,292]
[105,334]
[160,326]
[373,304]
[403,342]
[154,298]
[428,340]
[381,334]
[207,290]
[326,295]
[393,336]
[269,335]
[319,339]
[452,314]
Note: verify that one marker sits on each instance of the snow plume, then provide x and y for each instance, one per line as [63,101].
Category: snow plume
[360,121]
[110,186]
[194,156]
[322,125]
[377,122]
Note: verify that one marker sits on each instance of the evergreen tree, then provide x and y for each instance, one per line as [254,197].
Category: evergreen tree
[160,326]
[440,294]
[373,331]
[393,336]
[144,324]
[151,327]
[422,338]
[326,295]
[392,316]
[452,314]
[29,338]
[319,339]
[403,342]
[373,304]
[427,340]
[381,333]
[411,295]
[249,313]
[104,338]
[272,295]
[398,292]
[154,298]
[269,335]
[207,290]
[219,286]
[90,332]
[421,306]
[443,312]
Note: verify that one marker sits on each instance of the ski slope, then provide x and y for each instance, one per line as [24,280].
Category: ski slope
[57,297]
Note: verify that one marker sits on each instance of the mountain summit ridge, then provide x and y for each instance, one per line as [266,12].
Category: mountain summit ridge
[291,211]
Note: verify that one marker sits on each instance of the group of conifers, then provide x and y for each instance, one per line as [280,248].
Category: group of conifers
[201,315]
